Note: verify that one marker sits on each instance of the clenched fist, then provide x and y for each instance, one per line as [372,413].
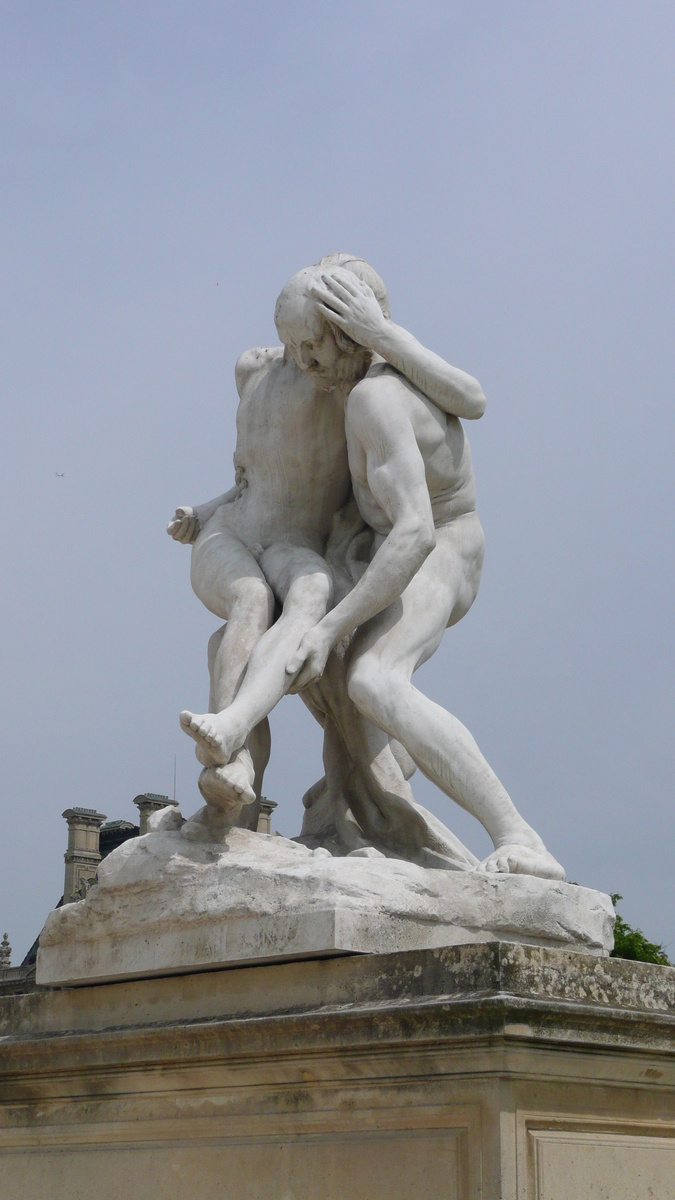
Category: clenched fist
[184,526]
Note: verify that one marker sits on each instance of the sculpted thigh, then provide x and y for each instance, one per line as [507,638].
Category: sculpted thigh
[224,572]
[406,634]
[298,576]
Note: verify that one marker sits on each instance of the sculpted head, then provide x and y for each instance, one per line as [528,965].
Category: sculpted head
[321,349]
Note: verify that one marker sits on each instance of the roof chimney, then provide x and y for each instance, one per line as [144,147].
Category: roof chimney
[82,856]
[267,807]
[147,804]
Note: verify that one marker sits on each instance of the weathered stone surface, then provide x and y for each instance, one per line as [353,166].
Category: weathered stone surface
[477,1072]
[550,980]
[166,904]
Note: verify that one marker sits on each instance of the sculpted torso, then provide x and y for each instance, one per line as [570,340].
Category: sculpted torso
[296,449]
[291,454]
[440,439]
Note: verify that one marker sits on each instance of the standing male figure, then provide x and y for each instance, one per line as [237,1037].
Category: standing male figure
[413,482]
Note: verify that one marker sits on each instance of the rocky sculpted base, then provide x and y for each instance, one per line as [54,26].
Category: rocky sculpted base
[167,904]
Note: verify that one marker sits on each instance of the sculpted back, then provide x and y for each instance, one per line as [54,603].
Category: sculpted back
[291,454]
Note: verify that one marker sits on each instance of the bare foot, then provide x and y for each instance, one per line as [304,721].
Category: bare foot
[205,757]
[207,825]
[515,859]
[238,776]
[229,787]
[213,732]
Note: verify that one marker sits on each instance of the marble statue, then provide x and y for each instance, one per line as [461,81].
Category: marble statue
[348,543]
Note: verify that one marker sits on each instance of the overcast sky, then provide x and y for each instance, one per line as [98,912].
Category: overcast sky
[507,167]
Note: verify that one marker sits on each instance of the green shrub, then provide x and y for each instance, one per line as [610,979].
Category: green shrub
[632,943]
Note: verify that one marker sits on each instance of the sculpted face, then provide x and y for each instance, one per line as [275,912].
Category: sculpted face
[309,337]
[304,332]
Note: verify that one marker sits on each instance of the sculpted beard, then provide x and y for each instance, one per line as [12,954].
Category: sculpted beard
[349,368]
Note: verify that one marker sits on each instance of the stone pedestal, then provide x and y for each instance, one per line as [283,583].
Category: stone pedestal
[166,904]
[484,1071]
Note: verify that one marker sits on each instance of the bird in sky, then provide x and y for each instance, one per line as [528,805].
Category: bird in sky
[60,474]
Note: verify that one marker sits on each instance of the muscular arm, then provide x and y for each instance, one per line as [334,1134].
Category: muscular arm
[451,389]
[205,511]
[249,363]
[351,305]
[381,430]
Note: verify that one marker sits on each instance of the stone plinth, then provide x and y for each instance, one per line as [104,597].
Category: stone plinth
[165,904]
[472,1073]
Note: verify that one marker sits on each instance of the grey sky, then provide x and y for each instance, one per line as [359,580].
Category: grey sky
[508,169]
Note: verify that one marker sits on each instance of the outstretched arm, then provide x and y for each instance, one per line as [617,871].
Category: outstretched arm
[397,481]
[186,522]
[352,306]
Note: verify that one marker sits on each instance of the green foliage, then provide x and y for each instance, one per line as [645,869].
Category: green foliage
[632,943]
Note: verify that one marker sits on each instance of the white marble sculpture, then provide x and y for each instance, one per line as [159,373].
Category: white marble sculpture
[348,544]
[353,517]
[166,903]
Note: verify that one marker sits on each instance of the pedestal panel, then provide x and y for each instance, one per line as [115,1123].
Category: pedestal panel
[485,1072]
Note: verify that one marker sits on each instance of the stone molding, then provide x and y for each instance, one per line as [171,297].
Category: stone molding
[492,1071]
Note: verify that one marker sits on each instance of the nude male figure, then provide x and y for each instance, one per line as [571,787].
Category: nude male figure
[413,482]
[262,544]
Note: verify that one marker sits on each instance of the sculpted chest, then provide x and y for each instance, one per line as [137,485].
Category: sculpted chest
[291,437]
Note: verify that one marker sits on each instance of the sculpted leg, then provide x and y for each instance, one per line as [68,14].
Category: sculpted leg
[302,582]
[384,657]
[366,782]
[230,583]
[243,777]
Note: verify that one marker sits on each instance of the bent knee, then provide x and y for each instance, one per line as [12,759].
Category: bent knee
[252,594]
[248,598]
[366,683]
[378,692]
[251,601]
[310,594]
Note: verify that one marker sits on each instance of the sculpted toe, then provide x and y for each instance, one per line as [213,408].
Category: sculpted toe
[523,860]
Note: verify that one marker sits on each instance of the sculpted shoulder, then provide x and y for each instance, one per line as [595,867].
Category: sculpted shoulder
[254,362]
[379,400]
